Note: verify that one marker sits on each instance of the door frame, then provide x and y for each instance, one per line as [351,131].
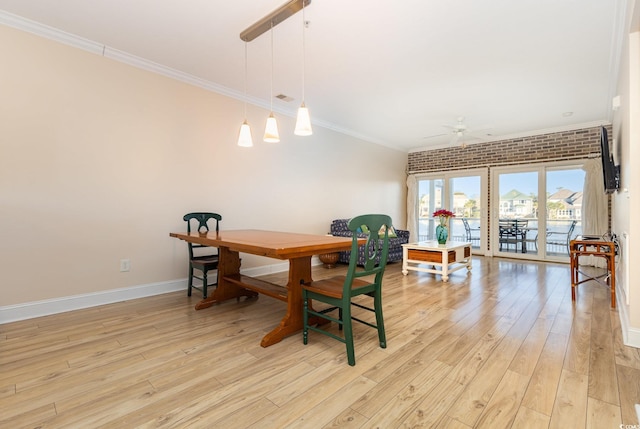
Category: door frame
[445,176]
[541,169]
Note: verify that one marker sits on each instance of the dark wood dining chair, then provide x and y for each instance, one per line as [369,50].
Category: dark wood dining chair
[339,292]
[203,260]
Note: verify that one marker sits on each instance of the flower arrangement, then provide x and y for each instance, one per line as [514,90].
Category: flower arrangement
[444,216]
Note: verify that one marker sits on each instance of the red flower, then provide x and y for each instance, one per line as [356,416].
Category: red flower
[444,216]
[443,213]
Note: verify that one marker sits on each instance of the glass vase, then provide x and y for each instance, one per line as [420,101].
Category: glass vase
[442,234]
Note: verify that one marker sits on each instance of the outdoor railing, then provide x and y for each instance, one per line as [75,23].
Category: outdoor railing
[458,233]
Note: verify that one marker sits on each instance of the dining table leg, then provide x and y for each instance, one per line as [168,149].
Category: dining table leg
[299,272]
[228,265]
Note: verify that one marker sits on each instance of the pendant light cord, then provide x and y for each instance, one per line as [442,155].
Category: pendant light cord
[245,80]
[304,23]
[271,95]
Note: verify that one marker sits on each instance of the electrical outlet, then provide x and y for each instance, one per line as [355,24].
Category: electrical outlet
[125,265]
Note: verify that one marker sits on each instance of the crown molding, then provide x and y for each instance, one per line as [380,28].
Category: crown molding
[72,40]
[15,21]
[51,33]
[531,133]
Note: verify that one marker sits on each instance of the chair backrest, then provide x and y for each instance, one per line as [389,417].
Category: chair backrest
[570,232]
[202,219]
[467,228]
[507,223]
[376,249]
[512,226]
[506,226]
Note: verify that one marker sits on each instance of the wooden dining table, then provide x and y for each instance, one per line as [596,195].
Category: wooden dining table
[296,248]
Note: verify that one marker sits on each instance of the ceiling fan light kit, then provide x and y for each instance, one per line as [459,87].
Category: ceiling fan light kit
[459,131]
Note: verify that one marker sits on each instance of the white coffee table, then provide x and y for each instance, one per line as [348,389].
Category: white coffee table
[431,257]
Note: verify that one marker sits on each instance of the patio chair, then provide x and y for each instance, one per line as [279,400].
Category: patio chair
[513,231]
[473,238]
[560,238]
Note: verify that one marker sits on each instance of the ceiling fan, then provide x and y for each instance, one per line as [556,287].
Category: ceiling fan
[460,132]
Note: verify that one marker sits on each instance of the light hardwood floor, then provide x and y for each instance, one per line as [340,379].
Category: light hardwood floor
[502,347]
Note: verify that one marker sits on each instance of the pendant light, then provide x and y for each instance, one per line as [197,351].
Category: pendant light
[303,121]
[271,130]
[244,138]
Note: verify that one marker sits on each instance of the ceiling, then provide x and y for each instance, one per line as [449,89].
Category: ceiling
[393,73]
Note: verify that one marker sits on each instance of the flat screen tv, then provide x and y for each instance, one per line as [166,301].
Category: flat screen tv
[610,171]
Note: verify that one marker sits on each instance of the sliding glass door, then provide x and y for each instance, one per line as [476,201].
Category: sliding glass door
[430,199]
[515,227]
[536,210]
[563,210]
[465,194]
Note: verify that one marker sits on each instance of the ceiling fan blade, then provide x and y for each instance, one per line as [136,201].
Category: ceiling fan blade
[435,135]
[478,134]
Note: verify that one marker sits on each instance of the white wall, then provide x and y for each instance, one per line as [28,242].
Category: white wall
[100,160]
[626,203]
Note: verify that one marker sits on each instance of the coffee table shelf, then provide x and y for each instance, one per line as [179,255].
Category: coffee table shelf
[442,258]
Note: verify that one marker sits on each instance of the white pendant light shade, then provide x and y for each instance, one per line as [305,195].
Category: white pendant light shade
[271,134]
[303,122]
[244,139]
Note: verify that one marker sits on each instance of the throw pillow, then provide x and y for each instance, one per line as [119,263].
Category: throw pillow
[364,229]
[392,232]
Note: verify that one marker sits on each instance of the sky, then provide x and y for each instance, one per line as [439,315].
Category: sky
[527,183]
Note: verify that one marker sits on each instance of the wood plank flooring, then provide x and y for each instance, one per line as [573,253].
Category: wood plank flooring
[502,347]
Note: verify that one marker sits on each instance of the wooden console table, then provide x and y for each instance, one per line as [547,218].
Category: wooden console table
[593,247]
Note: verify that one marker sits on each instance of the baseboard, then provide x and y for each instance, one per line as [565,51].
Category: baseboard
[30,310]
[633,338]
[630,336]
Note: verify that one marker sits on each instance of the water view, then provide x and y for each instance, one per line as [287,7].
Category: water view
[561,209]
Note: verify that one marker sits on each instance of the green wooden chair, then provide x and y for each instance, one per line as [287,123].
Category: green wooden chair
[339,291]
[198,259]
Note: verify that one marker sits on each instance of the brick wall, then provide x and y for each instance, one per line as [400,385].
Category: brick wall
[576,144]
